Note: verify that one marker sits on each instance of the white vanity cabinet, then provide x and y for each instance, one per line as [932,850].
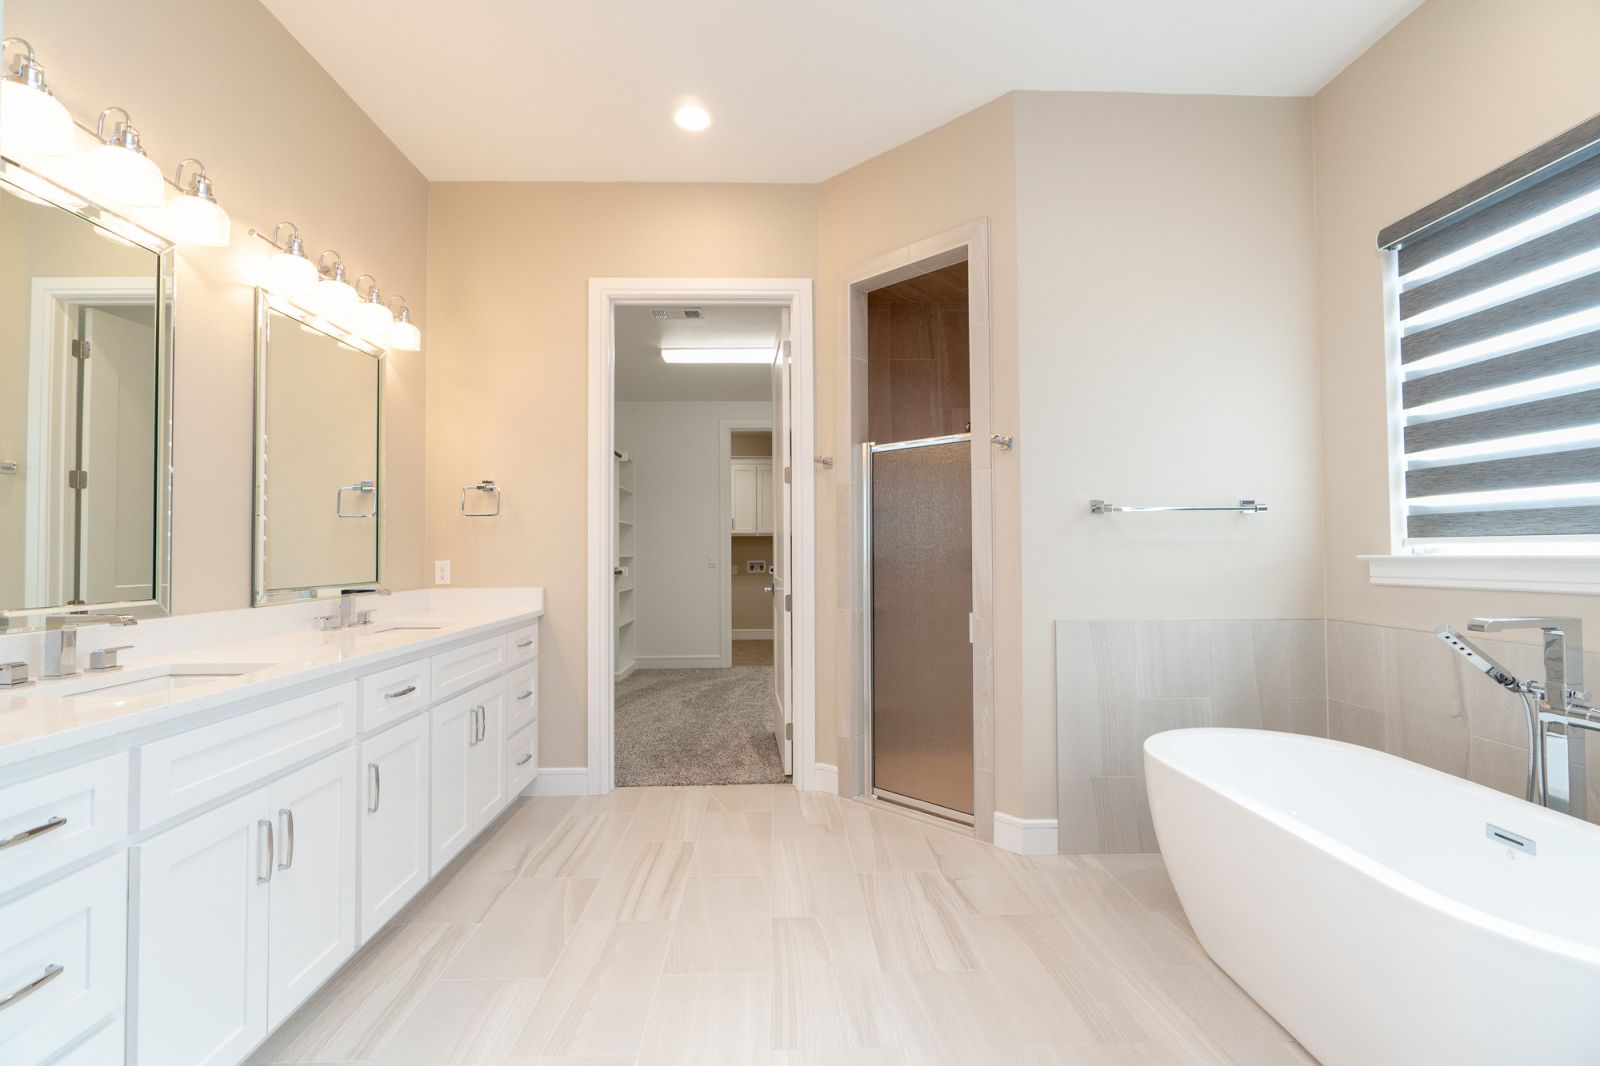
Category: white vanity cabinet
[469,773]
[394,821]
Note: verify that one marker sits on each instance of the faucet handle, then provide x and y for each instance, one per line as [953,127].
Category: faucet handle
[106,658]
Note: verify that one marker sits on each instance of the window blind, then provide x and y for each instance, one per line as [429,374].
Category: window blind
[1497,297]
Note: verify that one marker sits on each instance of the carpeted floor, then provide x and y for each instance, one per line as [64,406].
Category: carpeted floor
[697,727]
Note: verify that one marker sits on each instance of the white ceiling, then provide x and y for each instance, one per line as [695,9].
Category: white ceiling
[584,90]
[642,375]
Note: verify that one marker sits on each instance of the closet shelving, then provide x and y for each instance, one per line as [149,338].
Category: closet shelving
[623,611]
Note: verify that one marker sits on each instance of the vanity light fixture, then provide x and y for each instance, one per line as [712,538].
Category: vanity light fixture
[371,317]
[334,295]
[196,215]
[120,169]
[692,117]
[403,335]
[754,356]
[288,271]
[32,120]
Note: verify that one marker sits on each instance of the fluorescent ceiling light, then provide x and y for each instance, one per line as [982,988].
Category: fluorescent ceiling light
[759,356]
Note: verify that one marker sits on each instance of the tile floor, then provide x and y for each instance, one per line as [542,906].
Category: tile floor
[752,653]
[751,925]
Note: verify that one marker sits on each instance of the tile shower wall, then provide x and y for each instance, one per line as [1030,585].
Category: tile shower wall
[1404,692]
[1120,682]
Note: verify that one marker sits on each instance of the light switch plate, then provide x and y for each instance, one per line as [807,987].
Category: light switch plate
[441,572]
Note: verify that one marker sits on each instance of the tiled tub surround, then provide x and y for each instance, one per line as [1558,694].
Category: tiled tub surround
[1404,692]
[1120,682]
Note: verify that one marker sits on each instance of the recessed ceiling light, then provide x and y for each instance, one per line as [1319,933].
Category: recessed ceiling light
[718,355]
[692,117]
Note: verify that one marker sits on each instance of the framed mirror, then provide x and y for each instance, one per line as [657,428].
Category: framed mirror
[85,406]
[318,456]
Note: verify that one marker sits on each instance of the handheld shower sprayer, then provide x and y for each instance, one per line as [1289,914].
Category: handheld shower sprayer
[1480,659]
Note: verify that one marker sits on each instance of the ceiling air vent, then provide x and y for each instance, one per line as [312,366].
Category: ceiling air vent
[662,314]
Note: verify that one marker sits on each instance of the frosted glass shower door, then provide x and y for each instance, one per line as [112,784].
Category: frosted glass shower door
[919,552]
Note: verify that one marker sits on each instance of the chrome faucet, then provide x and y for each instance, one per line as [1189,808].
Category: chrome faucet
[1563,656]
[348,616]
[61,639]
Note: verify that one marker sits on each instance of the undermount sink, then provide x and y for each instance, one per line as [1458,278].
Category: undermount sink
[126,684]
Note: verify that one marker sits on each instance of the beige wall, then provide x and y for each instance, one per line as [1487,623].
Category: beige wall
[752,604]
[1451,93]
[509,268]
[225,82]
[1167,357]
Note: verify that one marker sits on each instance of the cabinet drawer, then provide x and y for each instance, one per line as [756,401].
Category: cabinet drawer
[191,768]
[472,664]
[53,820]
[522,760]
[524,644]
[66,942]
[390,695]
[522,697]
[107,1047]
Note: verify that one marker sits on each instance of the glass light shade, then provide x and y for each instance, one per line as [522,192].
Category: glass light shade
[200,222]
[32,121]
[372,321]
[405,337]
[123,175]
[289,275]
[334,298]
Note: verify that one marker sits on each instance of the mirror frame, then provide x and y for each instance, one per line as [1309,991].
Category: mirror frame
[18,179]
[260,595]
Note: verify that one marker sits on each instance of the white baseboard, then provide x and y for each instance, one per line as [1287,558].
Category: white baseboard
[560,781]
[627,671]
[678,662]
[825,778]
[752,634]
[1026,836]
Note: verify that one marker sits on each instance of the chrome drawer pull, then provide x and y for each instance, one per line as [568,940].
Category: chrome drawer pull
[524,760]
[376,787]
[288,844]
[526,695]
[51,972]
[29,834]
[266,824]
[408,690]
[525,643]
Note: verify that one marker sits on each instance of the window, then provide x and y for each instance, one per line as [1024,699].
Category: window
[1495,392]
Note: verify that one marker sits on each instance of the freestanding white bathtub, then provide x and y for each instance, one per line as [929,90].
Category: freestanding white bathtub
[1367,904]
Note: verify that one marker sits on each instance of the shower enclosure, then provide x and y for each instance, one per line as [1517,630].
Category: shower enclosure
[918,552]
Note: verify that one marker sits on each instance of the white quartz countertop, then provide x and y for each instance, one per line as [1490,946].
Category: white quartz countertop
[257,652]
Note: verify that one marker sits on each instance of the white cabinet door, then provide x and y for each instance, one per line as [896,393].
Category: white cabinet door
[764,498]
[394,821]
[486,762]
[204,895]
[312,930]
[746,488]
[454,727]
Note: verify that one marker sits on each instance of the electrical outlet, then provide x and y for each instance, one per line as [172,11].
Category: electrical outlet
[711,562]
[441,572]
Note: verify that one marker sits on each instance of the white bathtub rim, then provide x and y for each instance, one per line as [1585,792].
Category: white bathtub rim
[1371,868]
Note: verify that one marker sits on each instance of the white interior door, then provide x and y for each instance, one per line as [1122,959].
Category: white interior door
[118,455]
[782,479]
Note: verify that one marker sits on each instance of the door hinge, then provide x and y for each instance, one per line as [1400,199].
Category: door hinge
[80,349]
[788,731]
[77,479]
[788,602]
[786,475]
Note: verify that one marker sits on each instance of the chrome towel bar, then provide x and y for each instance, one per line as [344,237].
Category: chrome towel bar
[1242,507]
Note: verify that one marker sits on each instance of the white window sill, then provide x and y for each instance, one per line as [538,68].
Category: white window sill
[1519,573]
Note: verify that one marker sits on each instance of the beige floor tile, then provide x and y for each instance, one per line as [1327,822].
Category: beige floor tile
[465,892]
[567,1060]
[525,930]
[533,820]
[952,1019]
[828,990]
[1145,879]
[460,1023]
[669,814]
[743,797]
[580,847]
[989,881]
[643,883]
[813,877]
[355,1012]
[916,922]
[617,801]
[597,998]
[1204,1016]
[1111,925]
[1104,1055]
[841,1057]
[724,926]
[727,899]
[1055,992]
[807,814]
[880,844]
[734,842]
[708,1020]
